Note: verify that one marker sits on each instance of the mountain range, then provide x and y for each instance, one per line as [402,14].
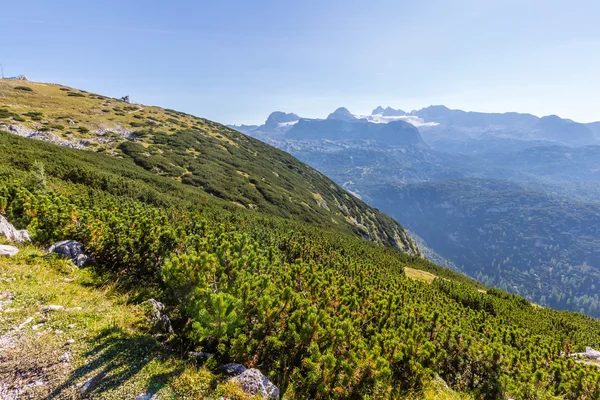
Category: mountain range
[475,187]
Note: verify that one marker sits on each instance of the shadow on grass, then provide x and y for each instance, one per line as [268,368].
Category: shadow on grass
[116,357]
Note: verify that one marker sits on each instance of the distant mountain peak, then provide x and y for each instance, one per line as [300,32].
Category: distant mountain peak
[388,112]
[278,117]
[553,117]
[378,110]
[343,114]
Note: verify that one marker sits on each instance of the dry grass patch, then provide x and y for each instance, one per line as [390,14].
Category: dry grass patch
[418,274]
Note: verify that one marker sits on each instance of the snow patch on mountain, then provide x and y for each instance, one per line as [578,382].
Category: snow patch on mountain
[411,119]
[287,124]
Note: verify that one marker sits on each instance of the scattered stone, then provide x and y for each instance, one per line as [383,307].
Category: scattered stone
[232,369]
[159,319]
[147,396]
[8,251]
[39,382]
[87,384]
[5,299]
[26,322]
[71,249]
[72,309]
[52,307]
[70,342]
[36,327]
[66,357]
[58,332]
[200,355]
[47,136]
[8,231]
[253,382]
[90,383]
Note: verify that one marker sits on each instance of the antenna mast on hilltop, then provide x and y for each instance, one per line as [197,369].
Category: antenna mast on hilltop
[2,68]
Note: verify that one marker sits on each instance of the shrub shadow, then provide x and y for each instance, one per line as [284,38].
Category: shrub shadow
[117,357]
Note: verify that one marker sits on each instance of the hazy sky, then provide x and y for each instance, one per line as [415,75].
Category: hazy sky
[236,61]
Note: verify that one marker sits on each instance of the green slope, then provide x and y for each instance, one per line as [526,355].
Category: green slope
[200,153]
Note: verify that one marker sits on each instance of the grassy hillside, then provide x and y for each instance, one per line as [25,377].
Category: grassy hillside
[98,338]
[322,312]
[200,153]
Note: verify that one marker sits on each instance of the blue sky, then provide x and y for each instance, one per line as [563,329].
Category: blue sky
[236,61]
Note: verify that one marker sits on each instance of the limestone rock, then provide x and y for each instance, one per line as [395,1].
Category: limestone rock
[8,251]
[8,231]
[155,311]
[232,369]
[71,249]
[52,307]
[147,396]
[253,382]
[591,353]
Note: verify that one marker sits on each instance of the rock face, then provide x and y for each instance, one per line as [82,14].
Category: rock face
[232,369]
[342,114]
[45,136]
[252,381]
[8,251]
[159,319]
[278,122]
[395,133]
[12,234]
[71,249]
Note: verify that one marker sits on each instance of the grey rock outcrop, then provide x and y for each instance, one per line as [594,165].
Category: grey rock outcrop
[8,231]
[71,249]
[591,353]
[252,381]
[232,369]
[8,251]
[45,136]
[155,310]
